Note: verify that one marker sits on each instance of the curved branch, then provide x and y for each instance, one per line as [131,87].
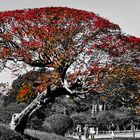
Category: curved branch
[74,93]
[9,43]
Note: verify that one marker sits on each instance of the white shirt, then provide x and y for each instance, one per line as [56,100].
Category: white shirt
[91,130]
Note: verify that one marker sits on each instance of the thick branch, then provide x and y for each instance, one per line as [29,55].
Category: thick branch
[74,93]
[38,63]
[19,120]
[9,43]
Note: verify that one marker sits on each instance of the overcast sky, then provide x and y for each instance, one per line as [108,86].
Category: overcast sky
[126,13]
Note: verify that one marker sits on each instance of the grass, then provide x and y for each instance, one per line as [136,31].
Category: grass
[7,134]
[45,136]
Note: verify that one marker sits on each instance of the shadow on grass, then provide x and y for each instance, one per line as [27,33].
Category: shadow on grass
[7,134]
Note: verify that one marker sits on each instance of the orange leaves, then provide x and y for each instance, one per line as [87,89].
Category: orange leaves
[29,89]
[59,61]
[138,76]
[137,110]
[44,79]
[73,76]
[55,75]
[42,87]
[25,92]
[126,72]
[122,83]
[61,56]
[52,50]
[56,64]
[47,79]
[123,75]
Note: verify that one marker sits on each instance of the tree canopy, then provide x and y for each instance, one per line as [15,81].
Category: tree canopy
[72,50]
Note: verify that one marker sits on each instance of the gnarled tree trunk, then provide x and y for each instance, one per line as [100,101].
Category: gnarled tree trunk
[19,120]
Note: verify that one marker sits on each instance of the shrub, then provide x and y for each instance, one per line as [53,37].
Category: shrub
[6,112]
[57,123]
[35,124]
[47,127]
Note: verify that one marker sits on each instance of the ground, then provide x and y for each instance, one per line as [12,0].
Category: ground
[118,136]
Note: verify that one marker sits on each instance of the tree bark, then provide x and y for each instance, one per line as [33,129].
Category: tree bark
[19,120]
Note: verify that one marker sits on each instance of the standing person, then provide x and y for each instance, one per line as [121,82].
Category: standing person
[112,134]
[86,131]
[79,131]
[92,132]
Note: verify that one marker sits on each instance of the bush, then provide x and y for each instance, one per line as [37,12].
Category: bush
[8,134]
[6,112]
[46,126]
[35,124]
[57,123]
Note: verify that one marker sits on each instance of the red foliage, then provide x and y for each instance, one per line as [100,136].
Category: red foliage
[57,38]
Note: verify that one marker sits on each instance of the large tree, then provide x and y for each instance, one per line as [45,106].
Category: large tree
[71,50]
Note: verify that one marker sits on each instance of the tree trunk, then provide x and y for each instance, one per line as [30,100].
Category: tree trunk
[19,120]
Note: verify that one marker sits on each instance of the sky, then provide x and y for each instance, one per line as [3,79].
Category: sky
[125,13]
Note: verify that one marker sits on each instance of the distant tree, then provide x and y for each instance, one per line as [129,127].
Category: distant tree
[111,119]
[73,50]
[121,87]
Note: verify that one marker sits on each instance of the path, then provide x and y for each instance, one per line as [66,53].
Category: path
[117,135]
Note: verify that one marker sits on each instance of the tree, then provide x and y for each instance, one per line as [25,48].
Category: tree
[121,87]
[112,119]
[71,49]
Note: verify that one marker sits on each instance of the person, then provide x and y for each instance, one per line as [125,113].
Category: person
[112,134]
[86,131]
[92,133]
[79,131]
